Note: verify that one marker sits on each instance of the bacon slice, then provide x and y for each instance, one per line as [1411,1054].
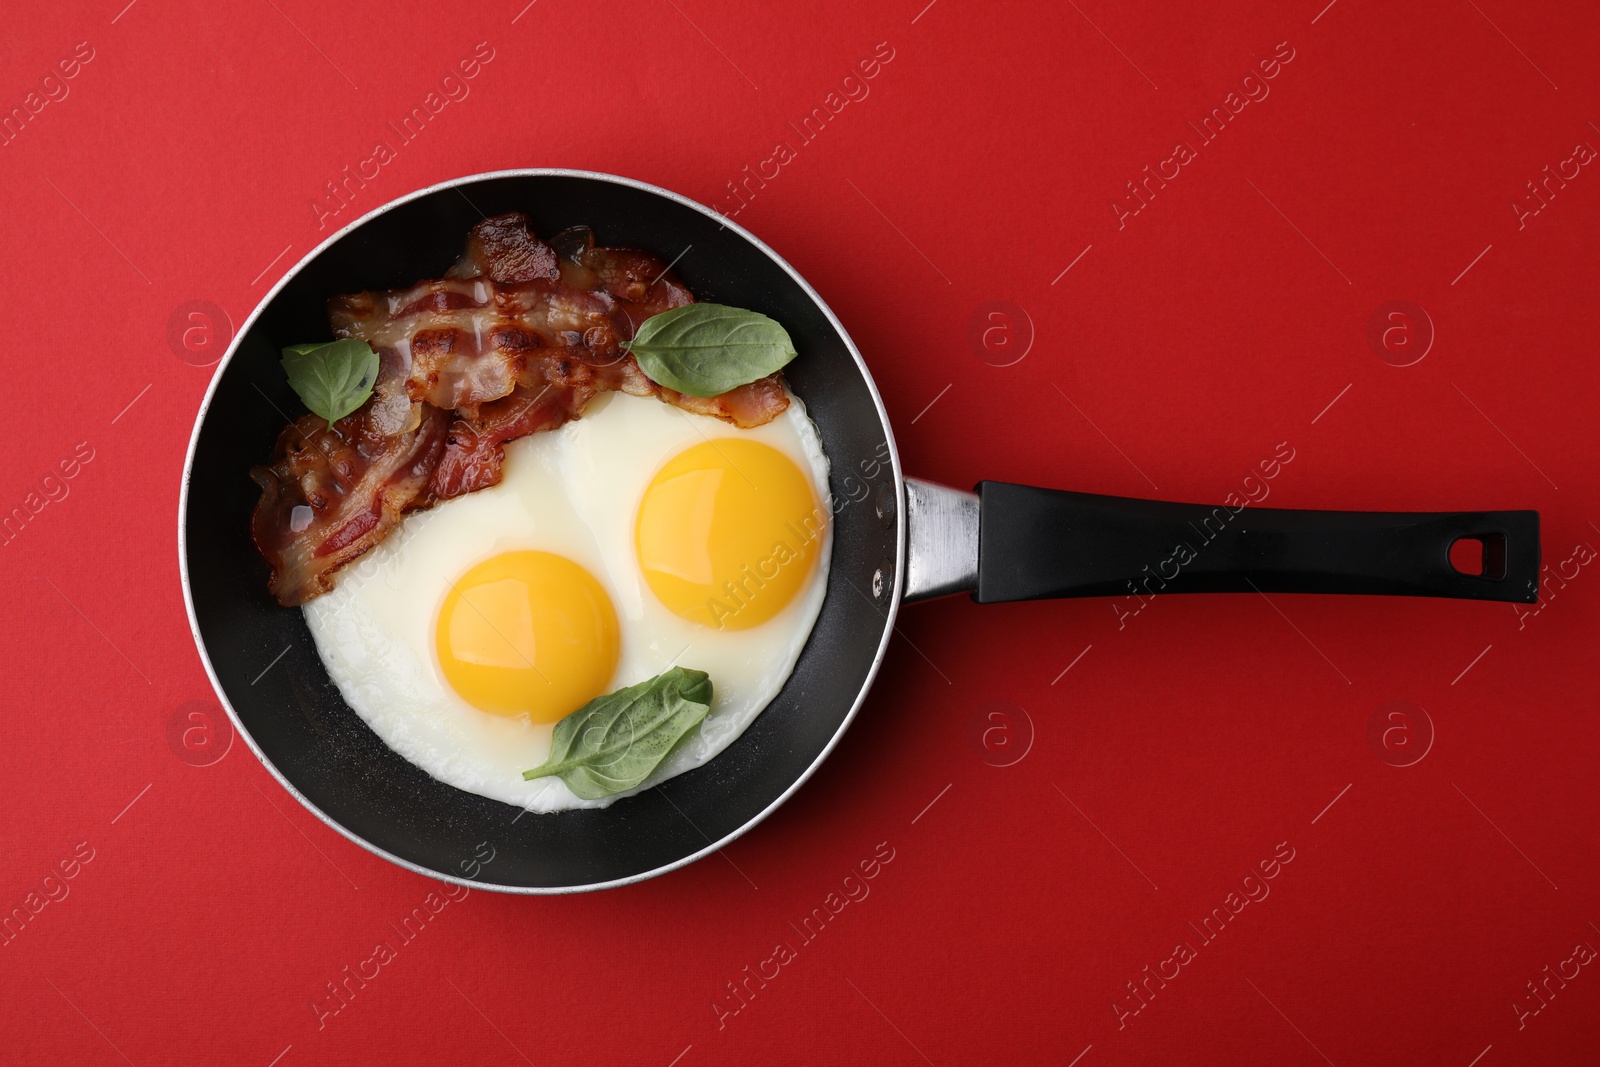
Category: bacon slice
[469,338]
[474,448]
[517,338]
[331,493]
[506,249]
[745,406]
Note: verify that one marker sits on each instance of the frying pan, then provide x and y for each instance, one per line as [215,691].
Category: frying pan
[895,539]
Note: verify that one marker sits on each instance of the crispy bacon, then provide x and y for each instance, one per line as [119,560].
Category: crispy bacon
[745,406]
[331,493]
[469,338]
[517,338]
[474,448]
[506,249]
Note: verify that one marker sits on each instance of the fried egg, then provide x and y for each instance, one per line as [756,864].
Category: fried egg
[629,541]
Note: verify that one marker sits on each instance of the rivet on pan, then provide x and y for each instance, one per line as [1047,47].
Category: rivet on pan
[877,583]
[884,504]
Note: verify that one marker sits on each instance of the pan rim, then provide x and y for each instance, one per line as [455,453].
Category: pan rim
[893,599]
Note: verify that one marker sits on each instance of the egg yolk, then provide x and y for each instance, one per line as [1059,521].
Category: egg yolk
[527,633]
[728,532]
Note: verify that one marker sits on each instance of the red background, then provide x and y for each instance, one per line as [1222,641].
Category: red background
[1174,755]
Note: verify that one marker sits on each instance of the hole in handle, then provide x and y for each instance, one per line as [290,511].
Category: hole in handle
[1480,556]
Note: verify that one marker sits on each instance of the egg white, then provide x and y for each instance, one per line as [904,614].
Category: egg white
[575,492]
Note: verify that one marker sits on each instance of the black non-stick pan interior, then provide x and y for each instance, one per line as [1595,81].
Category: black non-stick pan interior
[293,713]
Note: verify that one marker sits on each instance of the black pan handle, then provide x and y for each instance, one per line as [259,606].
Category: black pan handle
[1035,543]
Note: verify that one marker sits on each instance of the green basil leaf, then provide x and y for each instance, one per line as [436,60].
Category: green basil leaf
[707,349]
[612,743]
[332,378]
